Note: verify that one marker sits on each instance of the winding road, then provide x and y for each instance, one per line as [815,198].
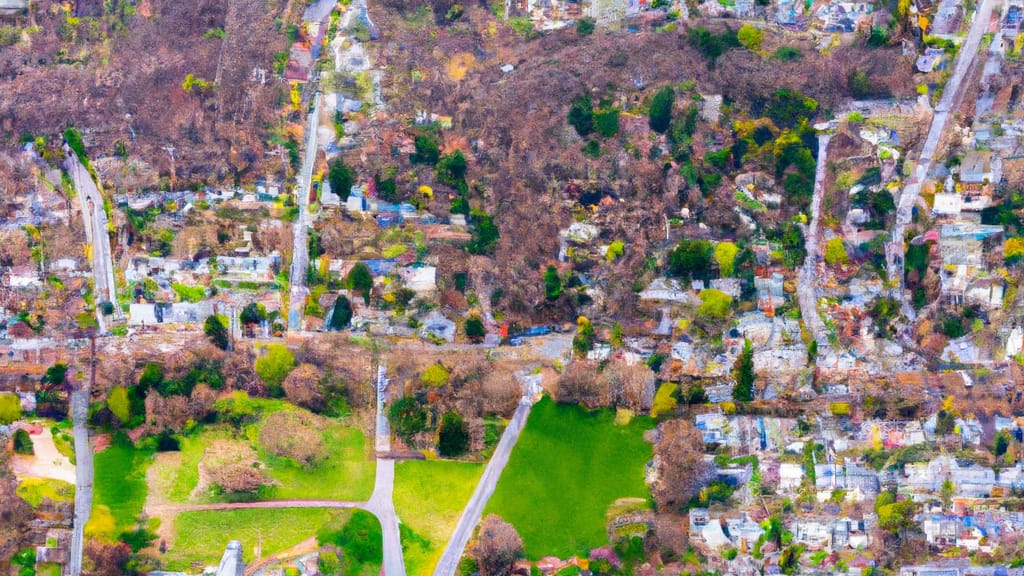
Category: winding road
[949,102]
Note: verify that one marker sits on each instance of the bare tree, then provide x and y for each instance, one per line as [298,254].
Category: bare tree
[302,387]
[497,547]
[682,471]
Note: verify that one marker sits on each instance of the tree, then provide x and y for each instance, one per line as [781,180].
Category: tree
[485,233]
[581,115]
[552,283]
[302,387]
[743,391]
[293,434]
[713,309]
[1013,250]
[56,374]
[361,280]
[273,367]
[407,417]
[1001,442]
[945,423]
[660,114]
[451,169]
[585,26]
[725,255]
[835,252]
[690,258]
[583,342]
[436,375]
[10,408]
[340,177]
[606,121]
[427,151]
[682,470]
[118,403]
[948,490]
[341,317]
[22,442]
[453,435]
[216,331]
[897,517]
[497,546]
[475,328]
[253,313]
[750,37]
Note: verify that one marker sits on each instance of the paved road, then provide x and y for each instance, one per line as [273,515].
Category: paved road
[300,249]
[484,490]
[806,289]
[95,219]
[83,477]
[949,102]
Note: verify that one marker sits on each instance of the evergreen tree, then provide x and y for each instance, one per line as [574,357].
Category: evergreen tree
[361,280]
[552,283]
[453,435]
[744,374]
[342,315]
[216,332]
[660,114]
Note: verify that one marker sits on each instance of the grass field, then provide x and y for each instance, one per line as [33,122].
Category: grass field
[34,490]
[429,497]
[202,536]
[347,474]
[567,468]
[119,487]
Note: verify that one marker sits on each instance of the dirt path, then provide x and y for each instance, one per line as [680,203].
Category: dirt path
[47,462]
[301,549]
[162,509]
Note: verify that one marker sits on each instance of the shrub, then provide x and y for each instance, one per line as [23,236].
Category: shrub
[427,151]
[360,540]
[750,37]
[294,435]
[475,328]
[10,408]
[581,115]
[744,374]
[453,435]
[615,249]
[725,255]
[22,442]
[273,367]
[407,417]
[664,399]
[592,149]
[835,252]
[552,283]
[436,375]
[191,294]
[787,53]
[485,234]
[585,26]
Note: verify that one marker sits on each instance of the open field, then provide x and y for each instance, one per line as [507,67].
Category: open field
[429,497]
[119,487]
[34,490]
[202,536]
[567,468]
[346,474]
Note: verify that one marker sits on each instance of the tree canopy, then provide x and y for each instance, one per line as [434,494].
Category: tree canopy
[691,258]
[341,178]
[660,114]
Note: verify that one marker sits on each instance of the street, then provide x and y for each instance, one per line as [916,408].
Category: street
[300,250]
[83,477]
[95,220]
[806,288]
[949,102]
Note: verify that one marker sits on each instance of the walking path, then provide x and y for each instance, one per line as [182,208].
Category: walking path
[449,561]
[300,250]
[83,477]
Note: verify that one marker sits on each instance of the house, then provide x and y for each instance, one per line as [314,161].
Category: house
[435,325]
[13,7]
[1014,343]
[791,476]
[420,279]
[961,244]
[744,532]
[665,290]
[981,167]
[947,204]
[231,562]
[829,477]
[169,313]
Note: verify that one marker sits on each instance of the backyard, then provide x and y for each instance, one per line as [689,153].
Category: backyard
[429,497]
[568,467]
[119,488]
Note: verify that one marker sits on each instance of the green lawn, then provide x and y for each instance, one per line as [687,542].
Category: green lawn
[202,536]
[34,490]
[347,474]
[119,486]
[567,468]
[429,497]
